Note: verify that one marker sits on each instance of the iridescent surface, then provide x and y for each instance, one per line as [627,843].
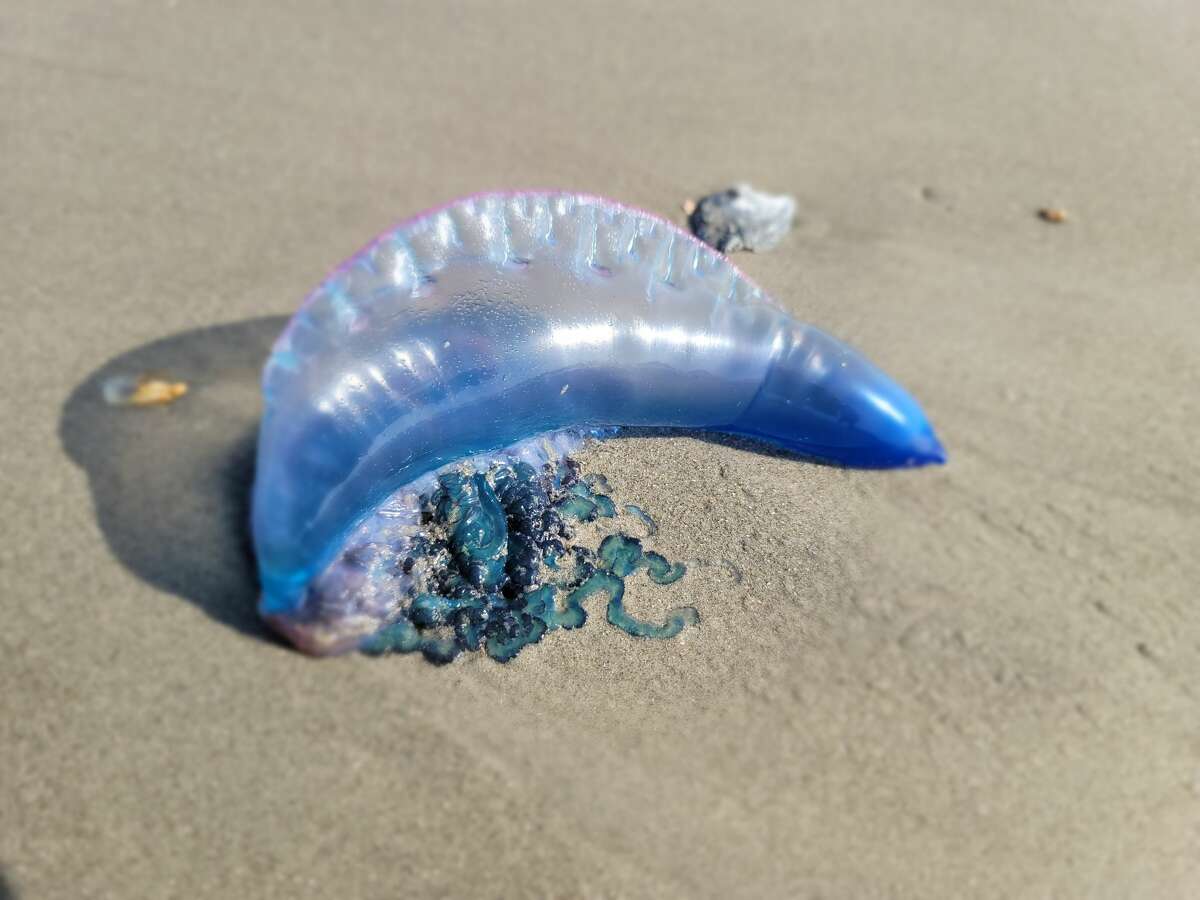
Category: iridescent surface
[503,316]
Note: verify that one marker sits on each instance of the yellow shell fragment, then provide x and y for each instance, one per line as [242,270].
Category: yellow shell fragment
[142,390]
[155,392]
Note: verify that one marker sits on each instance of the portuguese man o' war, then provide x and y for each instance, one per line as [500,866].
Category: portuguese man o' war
[421,405]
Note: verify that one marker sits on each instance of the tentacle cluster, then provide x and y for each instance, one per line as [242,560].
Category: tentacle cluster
[495,565]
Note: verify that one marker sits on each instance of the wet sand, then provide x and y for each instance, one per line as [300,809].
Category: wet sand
[979,680]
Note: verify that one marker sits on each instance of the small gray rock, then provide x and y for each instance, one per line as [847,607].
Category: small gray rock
[741,218]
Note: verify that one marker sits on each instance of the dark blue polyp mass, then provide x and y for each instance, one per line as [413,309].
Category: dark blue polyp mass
[499,329]
[499,568]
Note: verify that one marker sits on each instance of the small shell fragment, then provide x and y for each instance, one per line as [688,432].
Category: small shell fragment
[141,390]
[1052,214]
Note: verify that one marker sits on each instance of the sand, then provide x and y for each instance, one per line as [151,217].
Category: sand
[974,681]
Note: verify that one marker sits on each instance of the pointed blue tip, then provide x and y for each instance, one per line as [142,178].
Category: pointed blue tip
[825,400]
[928,451]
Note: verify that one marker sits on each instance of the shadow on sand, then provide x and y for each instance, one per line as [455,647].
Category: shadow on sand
[171,485]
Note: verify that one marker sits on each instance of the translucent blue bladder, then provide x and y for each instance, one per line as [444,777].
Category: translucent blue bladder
[475,328]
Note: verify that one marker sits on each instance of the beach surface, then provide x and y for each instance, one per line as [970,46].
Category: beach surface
[978,680]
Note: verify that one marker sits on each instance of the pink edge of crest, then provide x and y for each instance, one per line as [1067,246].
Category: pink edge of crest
[504,195]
